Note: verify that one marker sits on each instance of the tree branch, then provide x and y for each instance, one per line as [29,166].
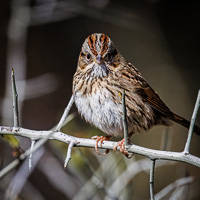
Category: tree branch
[15,100]
[83,142]
[187,144]
[125,123]
[65,114]
[30,156]
[133,169]
[151,179]
[169,188]
[69,154]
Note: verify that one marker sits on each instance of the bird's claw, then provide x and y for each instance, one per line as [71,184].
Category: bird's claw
[122,149]
[101,139]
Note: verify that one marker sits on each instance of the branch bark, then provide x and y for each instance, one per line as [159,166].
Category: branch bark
[151,179]
[83,142]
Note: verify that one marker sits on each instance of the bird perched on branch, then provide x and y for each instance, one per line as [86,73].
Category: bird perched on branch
[101,77]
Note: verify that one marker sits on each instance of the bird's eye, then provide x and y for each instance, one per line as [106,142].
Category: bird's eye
[88,56]
[111,54]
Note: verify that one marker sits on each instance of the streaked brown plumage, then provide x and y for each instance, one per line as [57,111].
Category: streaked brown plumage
[102,75]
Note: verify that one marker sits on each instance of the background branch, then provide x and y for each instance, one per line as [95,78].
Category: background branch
[169,188]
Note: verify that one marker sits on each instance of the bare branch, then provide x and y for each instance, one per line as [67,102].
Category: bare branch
[9,167]
[151,179]
[16,52]
[65,114]
[69,153]
[30,157]
[15,100]
[22,174]
[132,170]
[165,139]
[187,145]
[83,142]
[125,124]
[179,193]
[169,188]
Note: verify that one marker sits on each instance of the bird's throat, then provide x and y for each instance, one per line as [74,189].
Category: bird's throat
[99,70]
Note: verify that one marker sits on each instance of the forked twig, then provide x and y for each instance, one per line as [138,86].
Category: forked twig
[194,115]
[69,153]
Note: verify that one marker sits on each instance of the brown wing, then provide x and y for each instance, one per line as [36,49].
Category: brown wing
[150,96]
[142,88]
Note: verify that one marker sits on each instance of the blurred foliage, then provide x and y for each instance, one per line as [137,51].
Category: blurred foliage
[12,140]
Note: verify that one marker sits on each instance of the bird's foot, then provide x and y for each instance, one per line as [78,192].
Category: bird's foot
[122,149]
[101,139]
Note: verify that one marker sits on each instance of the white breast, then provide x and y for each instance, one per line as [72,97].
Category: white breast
[99,109]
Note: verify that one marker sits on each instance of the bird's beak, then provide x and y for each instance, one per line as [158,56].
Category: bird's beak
[98,59]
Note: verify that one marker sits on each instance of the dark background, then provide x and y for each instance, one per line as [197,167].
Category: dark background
[41,40]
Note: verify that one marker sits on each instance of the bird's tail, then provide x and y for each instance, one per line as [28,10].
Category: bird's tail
[184,122]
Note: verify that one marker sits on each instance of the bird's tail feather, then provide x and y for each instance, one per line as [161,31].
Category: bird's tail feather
[184,122]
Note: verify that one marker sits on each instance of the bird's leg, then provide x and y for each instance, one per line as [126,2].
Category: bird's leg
[121,145]
[100,139]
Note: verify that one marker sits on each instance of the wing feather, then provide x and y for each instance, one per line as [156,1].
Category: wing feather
[140,86]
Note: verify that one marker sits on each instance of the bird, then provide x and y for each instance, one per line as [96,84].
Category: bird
[101,76]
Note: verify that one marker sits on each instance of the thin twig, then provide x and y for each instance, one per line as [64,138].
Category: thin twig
[30,157]
[69,153]
[9,167]
[151,179]
[179,193]
[125,124]
[194,115]
[169,188]
[65,114]
[165,139]
[16,52]
[15,100]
